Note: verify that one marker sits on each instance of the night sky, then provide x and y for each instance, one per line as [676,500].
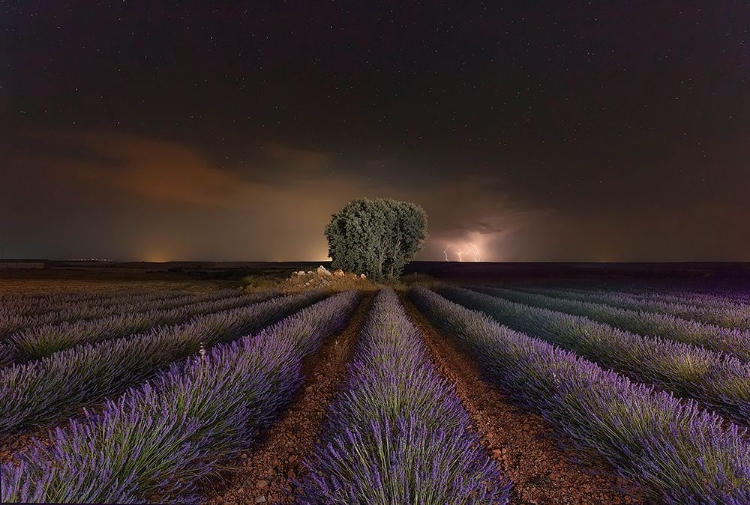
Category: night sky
[537,131]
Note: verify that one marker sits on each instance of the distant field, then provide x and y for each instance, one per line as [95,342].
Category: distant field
[56,285]
[539,384]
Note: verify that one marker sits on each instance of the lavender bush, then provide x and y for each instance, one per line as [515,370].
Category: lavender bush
[398,433]
[155,442]
[16,315]
[40,341]
[12,303]
[711,337]
[681,455]
[701,298]
[725,313]
[719,381]
[59,384]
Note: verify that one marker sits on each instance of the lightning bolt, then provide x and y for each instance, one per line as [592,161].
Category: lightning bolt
[446,252]
[460,254]
[477,256]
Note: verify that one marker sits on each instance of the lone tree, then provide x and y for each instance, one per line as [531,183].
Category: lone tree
[377,237]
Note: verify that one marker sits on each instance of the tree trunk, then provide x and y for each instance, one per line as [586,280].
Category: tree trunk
[396,247]
[381,258]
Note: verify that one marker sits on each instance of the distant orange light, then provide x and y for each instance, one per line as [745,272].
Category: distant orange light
[156,257]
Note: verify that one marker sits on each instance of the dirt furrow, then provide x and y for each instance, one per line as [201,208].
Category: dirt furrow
[14,446]
[527,449]
[264,473]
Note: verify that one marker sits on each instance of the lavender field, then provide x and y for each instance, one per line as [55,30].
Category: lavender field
[458,394]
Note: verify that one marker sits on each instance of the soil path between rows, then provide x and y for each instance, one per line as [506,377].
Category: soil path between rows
[264,473]
[526,447]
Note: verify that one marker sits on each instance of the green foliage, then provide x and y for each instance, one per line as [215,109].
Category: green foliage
[376,237]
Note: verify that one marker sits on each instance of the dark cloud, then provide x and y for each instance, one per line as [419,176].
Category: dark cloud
[171,198]
[131,197]
[565,131]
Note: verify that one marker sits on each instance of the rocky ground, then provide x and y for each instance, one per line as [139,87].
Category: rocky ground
[322,278]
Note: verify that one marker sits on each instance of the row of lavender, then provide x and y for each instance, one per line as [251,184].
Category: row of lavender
[715,338]
[41,341]
[156,442]
[13,305]
[398,433]
[107,305]
[695,296]
[97,308]
[41,298]
[57,385]
[719,381]
[681,454]
[724,313]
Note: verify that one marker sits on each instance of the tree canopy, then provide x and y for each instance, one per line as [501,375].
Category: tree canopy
[376,237]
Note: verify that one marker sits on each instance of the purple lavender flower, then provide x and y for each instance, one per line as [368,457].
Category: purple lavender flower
[397,433]
[158,440]
[718,381]
[649,436]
